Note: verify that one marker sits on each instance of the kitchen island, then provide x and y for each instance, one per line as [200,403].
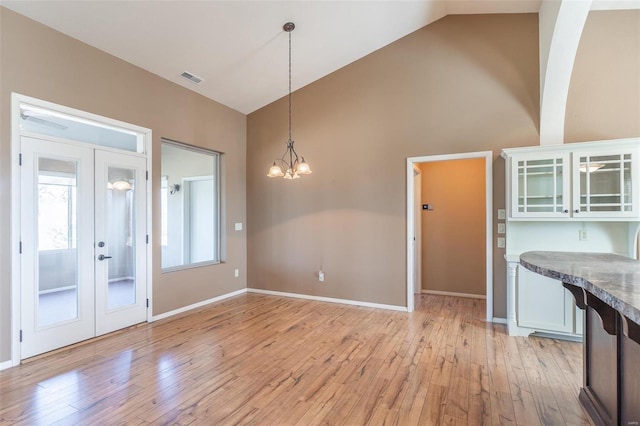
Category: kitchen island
[607,287]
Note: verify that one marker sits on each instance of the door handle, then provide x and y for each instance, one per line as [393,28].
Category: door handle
[103,257]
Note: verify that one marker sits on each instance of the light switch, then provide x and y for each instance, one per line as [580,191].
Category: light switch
[501,242]
[502,228]
[236,273]
[238,226]
[502,214]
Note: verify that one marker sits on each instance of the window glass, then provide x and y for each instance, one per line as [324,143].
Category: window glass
[190,199]
[56,205]
[64,126]
[163,211]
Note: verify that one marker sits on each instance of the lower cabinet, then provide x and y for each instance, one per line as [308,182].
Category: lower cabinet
[611,391]
[540,304]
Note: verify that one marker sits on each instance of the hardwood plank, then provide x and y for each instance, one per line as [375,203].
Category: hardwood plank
[564,391]
[546,405]
[257,359]
[521,395]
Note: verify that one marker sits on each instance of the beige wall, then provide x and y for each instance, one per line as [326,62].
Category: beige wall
[462,84]
[39,62]
[454,232]
[604,94]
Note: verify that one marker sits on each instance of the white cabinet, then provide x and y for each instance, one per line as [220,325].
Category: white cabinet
[579,181]
[540,185]
[604,183]
[541,304]
[582,197]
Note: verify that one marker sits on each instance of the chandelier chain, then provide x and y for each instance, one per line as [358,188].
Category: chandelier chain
[289,85]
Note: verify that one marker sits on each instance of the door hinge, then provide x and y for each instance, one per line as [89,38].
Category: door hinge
[147,239]
[20,247]
[147,303]
[20,336]
[147,174]
[20,159]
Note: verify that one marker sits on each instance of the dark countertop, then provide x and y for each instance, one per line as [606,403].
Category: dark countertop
[612,278]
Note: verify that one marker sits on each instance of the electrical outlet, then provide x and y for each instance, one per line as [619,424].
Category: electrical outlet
[501,242]
[502,214]
[584,235]
[236,273]
[502,228]
[321,276]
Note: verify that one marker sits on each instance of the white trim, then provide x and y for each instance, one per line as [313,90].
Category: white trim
[450,293]
[83,116]
[328,299]
[113,280]
[499,320]
[5,365]
[55,290]
[198,305]
[16,226]
[145,139]
[488,156]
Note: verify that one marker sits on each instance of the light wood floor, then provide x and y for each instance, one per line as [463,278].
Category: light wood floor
[258,359]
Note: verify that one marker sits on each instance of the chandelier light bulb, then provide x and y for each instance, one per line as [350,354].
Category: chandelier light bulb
[303,168]
[275,171]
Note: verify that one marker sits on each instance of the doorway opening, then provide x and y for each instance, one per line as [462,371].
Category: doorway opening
[80,201]
[417,207]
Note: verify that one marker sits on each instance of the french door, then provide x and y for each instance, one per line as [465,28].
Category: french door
[83,231]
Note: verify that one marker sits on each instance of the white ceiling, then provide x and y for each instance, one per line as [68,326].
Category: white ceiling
[238,46]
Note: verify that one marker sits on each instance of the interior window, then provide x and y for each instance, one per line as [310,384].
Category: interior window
[190,200]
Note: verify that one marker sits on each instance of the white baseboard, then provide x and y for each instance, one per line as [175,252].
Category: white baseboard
[197,305]
[499,320]
[450,293]
[328,299]
[5,365]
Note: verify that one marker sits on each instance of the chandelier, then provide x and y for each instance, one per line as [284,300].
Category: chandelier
[290,165]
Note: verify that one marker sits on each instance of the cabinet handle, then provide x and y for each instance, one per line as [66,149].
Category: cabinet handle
[576,211]
[565,211]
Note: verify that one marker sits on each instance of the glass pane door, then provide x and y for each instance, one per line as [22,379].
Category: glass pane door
[120,232]
[540,186]
[57,277]
[605,183]
[57,241]
[120,237]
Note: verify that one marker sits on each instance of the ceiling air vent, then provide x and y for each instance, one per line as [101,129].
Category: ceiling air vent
[191,77]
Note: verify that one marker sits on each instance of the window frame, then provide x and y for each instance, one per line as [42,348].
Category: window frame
[217,197]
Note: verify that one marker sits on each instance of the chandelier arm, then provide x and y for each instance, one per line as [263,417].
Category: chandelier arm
[295,154]
[284,154]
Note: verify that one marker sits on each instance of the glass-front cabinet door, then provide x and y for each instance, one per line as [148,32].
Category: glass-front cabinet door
[540,185]
[604,184]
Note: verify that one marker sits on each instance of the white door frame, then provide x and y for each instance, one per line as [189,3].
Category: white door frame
[411,161]
[417,230]
[144,148]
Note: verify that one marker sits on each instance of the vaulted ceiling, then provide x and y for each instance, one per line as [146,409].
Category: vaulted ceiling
[239,48]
